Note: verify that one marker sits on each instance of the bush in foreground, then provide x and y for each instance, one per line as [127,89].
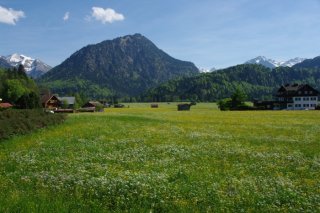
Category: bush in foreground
[14,122]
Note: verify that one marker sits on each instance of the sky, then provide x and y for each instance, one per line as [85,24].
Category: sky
[209,33]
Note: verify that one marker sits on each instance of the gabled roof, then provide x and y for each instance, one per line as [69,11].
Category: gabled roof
[95,103]
[69,100]
[5,105]
[296,89]
[46,98]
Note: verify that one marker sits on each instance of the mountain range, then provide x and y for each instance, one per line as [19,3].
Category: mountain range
[126,66]
[133,66]
[270,63]
[255,80]
[33,67]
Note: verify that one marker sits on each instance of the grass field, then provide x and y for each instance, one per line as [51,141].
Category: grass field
[140,159]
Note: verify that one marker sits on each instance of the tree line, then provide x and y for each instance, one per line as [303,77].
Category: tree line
[257,81]
[18,89]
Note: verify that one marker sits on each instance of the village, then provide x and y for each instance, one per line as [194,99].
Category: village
[288,97]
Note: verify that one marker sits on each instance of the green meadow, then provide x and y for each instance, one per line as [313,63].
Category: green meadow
[139,159]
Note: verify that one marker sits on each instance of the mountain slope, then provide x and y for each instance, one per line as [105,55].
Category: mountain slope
[270,63]
[256,81]
[33,67]
[4,63]
[126,65]
[309,63]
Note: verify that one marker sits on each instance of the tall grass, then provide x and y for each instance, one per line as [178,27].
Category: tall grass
[141,159]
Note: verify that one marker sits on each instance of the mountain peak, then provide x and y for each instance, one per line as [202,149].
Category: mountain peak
[128,65]
[33,67]
[270,63]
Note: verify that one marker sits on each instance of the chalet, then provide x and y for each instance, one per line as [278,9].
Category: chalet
[55,102]
[291,97]
[296,97]
[67,102]
[95,105]
[92,104]
[5,105]
[50,102]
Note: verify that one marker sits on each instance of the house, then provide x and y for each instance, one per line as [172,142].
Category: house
[56,102]
[296,97]
[5,105]
[291,97]
[92,104]
[50,102]
[95,105]
[264,105]
[67,102]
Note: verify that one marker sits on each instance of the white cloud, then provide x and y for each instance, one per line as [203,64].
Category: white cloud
[10,16]
[106,15]
[66,16]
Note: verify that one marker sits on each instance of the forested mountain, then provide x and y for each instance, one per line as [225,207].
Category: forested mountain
[256,81]
[126,66]
[309,63]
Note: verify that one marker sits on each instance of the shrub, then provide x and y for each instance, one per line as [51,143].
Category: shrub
[15,122]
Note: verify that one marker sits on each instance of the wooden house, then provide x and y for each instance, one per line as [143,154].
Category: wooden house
[296,97]
[291,97]
[5,105]
[93,105]
[67,102]
[50,102]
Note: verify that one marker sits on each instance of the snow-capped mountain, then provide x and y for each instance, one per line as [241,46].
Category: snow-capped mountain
[34,67]
[204,70]
[293,62]
[270,63]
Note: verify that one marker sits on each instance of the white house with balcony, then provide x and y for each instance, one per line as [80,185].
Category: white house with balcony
[297,97]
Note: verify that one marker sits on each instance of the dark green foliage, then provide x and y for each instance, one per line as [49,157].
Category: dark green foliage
[16,122]
[16,88]
[238,98]
[254,80]
[236,102]
[124,66]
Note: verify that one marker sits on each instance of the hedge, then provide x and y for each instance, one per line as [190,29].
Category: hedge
[17,122]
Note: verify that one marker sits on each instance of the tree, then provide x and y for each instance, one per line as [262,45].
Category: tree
[14,89]
[238,98]
[22,71]
[225,104]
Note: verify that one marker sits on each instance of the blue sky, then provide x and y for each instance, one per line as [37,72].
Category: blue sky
[210,33]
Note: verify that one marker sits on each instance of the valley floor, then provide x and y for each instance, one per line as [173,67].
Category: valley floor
[141,159]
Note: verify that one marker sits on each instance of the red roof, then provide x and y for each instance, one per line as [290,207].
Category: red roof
[5,105]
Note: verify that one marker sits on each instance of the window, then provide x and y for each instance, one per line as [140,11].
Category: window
[299,92]
[312,105]
[305,92]
[297,99]
[297,105]
[305,105]
[306,99]
[310,92]
[313,98]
